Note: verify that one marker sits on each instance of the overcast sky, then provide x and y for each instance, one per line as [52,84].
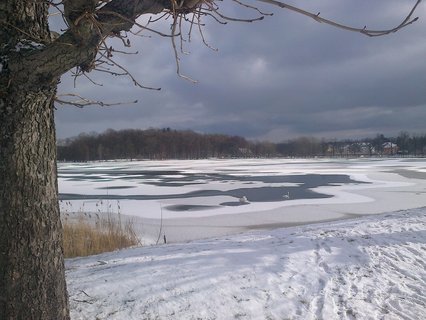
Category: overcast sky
[276,79]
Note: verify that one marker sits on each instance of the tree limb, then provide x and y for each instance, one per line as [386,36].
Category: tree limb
[368,32]
[82,102]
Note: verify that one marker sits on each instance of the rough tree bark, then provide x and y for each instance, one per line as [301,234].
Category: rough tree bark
[32,282]
[31,261]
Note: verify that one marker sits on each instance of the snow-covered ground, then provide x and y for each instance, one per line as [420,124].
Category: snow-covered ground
[372,267]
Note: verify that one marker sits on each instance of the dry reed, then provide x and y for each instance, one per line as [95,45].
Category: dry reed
[83,237]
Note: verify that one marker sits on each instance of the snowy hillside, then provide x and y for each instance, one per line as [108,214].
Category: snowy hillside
[367,268]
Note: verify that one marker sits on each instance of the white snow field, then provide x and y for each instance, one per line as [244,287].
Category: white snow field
[371,267]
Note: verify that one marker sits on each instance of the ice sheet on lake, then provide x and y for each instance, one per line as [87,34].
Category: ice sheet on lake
[385,189]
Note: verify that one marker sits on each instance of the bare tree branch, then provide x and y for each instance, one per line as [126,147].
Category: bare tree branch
[368,32]
[81,102]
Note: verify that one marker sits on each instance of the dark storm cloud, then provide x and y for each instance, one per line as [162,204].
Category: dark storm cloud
[276,79]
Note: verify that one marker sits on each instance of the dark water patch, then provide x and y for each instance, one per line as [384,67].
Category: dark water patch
[189,207]
[234,204]
[273,194]
[116,188]
[410,174]
[309,180]
[259,194]
[176,184]
[88,179]
[301,190]
[187,179]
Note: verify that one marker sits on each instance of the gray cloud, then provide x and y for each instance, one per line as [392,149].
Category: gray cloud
[279,78]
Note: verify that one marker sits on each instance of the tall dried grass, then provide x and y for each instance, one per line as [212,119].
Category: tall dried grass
[84,237]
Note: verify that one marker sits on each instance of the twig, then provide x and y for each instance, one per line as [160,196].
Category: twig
[177,55]
[85,301]
[136,83]
[85,293]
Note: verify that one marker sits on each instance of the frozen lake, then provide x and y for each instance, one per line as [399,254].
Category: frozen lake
[203,198]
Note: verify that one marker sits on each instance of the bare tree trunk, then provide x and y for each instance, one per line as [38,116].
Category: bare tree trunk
[32,276]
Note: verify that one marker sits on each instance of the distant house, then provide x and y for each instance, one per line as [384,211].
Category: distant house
[358,149]
[390,148]
[365,149]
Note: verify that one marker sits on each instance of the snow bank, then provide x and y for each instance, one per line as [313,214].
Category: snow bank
[367,268]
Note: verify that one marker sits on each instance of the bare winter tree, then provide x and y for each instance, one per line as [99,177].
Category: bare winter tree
[32,60]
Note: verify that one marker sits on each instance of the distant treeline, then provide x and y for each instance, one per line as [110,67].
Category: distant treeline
[154,144]
[174,144]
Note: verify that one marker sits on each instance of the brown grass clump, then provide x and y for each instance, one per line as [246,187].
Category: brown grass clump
[83,237]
